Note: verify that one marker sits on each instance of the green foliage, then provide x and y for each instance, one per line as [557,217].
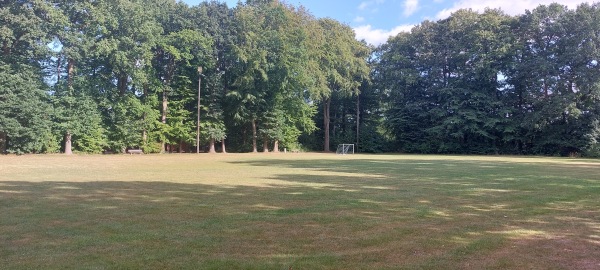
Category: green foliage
[124,74]
[272,82]
[180,127]
[130,118]
[342,63]
[23,31]
[78,115]
[24,111]
[488,83]
[343,59]
[216,131]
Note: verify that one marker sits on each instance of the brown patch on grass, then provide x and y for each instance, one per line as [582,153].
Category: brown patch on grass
[540,253]
[308,211]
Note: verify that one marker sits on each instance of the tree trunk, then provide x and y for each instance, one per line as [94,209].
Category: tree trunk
[265,144]
[58,71]
[357,120]
[244,137]
[326,106]
[165,104]
[3,143]
[6,49]
[163,118]
[70,72]
[122,83]
[254,147]
[144,130]
[68,150]
[211,148]
[276,146]
[333,130]
[223,146]
[198,107]
[144,136]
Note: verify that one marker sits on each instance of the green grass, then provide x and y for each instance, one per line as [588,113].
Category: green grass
[298,211]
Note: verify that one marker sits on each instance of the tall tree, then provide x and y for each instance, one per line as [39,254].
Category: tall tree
[555,67]
[271,78]
[24,31]
[124,34]
[77,117]
[215,20]
[24,111]
[343,63]
[76,113]
[447,95]
[468,91]
[174,52]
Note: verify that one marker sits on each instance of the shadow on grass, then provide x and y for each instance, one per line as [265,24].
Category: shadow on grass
[326,214]
[553,205]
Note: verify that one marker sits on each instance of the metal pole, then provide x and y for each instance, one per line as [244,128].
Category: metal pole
[198,119]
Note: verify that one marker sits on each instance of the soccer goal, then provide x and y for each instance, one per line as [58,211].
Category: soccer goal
[344,149]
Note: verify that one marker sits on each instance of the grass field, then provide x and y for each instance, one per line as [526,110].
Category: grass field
[298,211]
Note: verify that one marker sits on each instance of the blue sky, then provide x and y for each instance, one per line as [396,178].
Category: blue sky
[375,20]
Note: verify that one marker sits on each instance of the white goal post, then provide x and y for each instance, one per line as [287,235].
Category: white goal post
[344,149]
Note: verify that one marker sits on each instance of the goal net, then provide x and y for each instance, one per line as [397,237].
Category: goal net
[344,149]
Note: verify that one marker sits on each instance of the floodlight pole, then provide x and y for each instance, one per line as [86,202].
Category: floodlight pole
[198,116]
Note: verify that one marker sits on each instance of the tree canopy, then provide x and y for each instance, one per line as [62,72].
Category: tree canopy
[110,75]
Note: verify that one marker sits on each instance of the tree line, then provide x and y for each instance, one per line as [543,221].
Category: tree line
[495,84]
[109,75]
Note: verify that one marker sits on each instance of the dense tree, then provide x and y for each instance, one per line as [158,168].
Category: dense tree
[556,80]
[176,51]
[468,109]
[75,113]
[24,31]
[24,110]
[24,104]
[216,21]
[269,94]
[78,118]
[99,75]
[489,83]
[343,62]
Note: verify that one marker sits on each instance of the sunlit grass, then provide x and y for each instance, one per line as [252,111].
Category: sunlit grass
[299,211]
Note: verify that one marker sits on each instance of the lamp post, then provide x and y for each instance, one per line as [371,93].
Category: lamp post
[198,118]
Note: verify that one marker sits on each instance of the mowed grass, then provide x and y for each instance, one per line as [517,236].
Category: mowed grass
[298,211]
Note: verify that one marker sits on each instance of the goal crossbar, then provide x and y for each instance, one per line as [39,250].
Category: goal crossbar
[345,148]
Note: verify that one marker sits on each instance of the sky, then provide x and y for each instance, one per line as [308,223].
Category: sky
[376,20]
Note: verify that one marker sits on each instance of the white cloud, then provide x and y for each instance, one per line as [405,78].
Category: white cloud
[511,7]
[410,7]
[359,19]
[366,4]
[378,36]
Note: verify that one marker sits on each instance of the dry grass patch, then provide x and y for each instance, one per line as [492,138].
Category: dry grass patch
[304,211]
